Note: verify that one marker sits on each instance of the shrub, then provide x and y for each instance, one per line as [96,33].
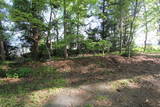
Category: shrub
[2,73]
[125,54]
[102,45]
[132,50]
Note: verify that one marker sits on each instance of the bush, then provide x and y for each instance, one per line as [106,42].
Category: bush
[2,73]
[19,73]
[100,46]
[125,54]
[58,52]
[133,51]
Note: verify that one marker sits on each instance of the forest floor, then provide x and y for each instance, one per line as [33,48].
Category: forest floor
[110,81]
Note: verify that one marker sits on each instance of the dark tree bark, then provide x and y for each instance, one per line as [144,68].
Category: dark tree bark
[35,46]
[2,50]
[121,34]
[65,27]
[120,28]
[103,23]
[48,41]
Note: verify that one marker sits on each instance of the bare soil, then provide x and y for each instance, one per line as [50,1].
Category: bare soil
[92,81]
[110,81]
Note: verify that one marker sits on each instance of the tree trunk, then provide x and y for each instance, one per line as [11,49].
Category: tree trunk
[35,47]
[146,26]
[103,53]
[57,32]
[132,29]
[65,28]
[114,35]
[146,38]
[120,51]
[120,29]
[48,41]
[78,29]
[56,27]
[103,23]
[65,52]
[2,50]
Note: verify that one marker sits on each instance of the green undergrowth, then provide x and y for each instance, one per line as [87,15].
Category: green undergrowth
[36,86]
[149,49]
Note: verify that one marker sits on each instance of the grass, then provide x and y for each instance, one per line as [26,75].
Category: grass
[5,63]
[101,98]
[115,53]
[121,83]
[149,49]
[32,91]
[88,105]
[41,83]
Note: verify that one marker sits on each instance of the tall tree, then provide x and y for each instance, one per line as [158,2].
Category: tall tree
[135,5]
[28,18]
[2,36]
[145,17]
[65,26]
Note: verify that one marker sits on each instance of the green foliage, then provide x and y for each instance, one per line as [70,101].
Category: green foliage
[133,52]
[2,73]
[28,18]
[44,71]
[60,44]
[44,81]
[101,98]
[149,49]
[102,45]
[118,19]
[43,52]
[19,72]
[1,16]
[89,105]
[68,40]
[23,19]
[90,45]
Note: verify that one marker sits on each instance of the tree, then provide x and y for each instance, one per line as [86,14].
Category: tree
[45,23]
[52,23]
[2,32]
[104,45]
[133,15]
[74,13]
[27,17]
[145,17]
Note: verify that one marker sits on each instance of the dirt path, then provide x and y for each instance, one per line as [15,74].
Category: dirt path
[111,81]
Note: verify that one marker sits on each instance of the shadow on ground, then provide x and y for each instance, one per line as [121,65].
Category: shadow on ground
[81,78]
[101,97]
